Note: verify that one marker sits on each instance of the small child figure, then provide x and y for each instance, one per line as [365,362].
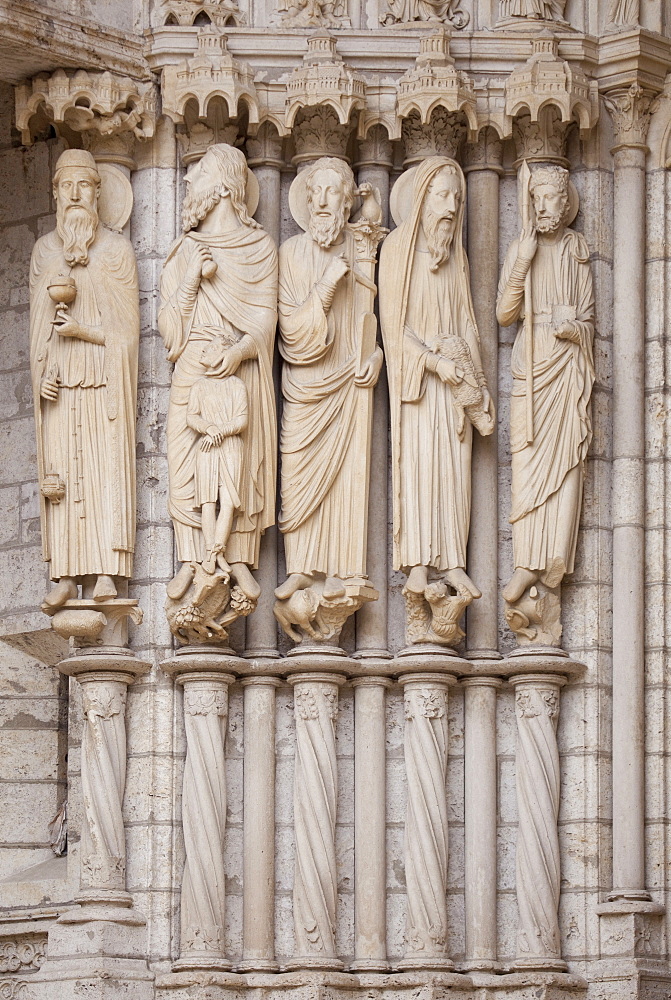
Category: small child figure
[218,412]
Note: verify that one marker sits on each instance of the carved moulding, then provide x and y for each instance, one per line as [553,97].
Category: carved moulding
[86,102]
[23,953]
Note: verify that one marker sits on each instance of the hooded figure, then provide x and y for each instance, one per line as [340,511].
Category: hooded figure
[433,355]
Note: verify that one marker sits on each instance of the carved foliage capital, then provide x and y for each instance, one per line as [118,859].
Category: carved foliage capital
[487,152]
[532,702]
[442,136]
[318,132]
[544,139]
[205,701]
[631,111]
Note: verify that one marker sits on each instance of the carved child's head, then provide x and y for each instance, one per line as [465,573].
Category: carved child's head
[213,353]
[331,193]
[549,190]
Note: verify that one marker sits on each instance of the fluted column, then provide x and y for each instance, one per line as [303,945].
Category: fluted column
[373,167]
[258,880]
[370,852]
[630,110]
[315,802]
[537,771]
[426,833]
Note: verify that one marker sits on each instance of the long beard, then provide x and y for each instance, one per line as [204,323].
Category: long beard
[550,224]
[76,225]
[325,231]
[439,236]
[196,208]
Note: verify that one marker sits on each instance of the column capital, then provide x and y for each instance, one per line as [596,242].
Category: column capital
[376,150]
[265,148]
[631,109]
[486,153]
[318,132]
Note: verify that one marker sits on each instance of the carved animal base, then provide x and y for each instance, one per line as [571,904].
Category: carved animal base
[95,623]
[321,618]
[207,606]
[536,617]
[433,617]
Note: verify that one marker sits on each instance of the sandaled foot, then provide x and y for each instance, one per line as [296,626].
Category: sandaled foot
[65,590]
[459,578]
[297,581]
[180,582]
[418,580]
[333,588]
[242,575]
[105,589]
[518,583]
[223,565]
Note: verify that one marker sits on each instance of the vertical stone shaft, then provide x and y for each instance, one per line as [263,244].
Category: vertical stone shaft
[480,820]
[538,872]
[258,906]
[370,924]
[265,159]
[628,523]
[315,802]
[103,846]
[375,161]
[204,821]
[426,820]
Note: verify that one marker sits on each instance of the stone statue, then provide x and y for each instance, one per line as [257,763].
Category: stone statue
[84,335]
[219,292]
[437,393]
[331,363]
[623,13]
[435,11]
[547,282]
[536,10]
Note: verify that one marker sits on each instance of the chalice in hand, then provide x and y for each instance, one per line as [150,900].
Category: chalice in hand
[62,290]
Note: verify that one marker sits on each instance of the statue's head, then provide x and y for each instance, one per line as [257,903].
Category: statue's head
[221,173]
[549,189]
[331,193]
[76,190]
[440,211]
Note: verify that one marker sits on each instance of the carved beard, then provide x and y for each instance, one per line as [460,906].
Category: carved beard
[196,207]
[325,230]
[76,225]
[439,234]
[550,224]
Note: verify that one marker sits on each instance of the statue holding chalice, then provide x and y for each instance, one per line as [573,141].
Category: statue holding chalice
[84,335]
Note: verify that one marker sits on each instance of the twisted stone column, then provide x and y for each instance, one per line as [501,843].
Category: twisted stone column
[315,802]
[538,871]
[426,839]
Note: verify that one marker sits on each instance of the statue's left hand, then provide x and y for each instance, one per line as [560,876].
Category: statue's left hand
[371,371]
[68,327]
[487,404]
[231,361]
[567,331]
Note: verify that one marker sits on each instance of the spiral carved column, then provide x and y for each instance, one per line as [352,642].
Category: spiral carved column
[538,870]
[315,802]
[426,839]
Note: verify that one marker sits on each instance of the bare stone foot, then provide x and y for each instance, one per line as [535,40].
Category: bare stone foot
[418,580]
[65,590]
[333,587]
[180,582]
[297,581]
[223,565]
[518,583]
[105,589]
[242,575]
[458,578]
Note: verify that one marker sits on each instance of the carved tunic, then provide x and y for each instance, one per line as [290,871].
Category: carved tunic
[548,474]
[87,435]
[322,488]
[222,403]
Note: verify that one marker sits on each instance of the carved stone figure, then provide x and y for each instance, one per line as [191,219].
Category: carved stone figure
[219,290]
[313,13]
[331,363]
[437,393]
[84,335]
[404,11]
[537,10]
[623,13]
[547,282]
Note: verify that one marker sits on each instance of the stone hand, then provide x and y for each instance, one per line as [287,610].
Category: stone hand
[526,249]
[230,362]
[567,331]
[371,371]
[194,271]
[206,443]
[447,371]
[49,386]
[215,433]
[336,270]
[68,327]
[487,404]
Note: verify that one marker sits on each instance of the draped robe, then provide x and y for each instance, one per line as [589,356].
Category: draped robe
[244,292]
[547,475]
[431,463]
[323,471]
[87,435]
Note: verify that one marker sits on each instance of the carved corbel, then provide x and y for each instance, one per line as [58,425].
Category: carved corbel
[103,112]
[324,80]
[435,83]
[551,94]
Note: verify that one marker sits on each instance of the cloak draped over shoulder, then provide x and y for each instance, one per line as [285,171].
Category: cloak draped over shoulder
[87,435]
[243,292]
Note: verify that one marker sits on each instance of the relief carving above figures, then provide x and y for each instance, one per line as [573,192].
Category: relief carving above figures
[546,283]
[331,364]
[84,336]
[438,393]
[219,291]
[534,10]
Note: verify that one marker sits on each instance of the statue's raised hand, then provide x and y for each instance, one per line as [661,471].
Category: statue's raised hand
[528,244]
[201,260]
[337,269]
